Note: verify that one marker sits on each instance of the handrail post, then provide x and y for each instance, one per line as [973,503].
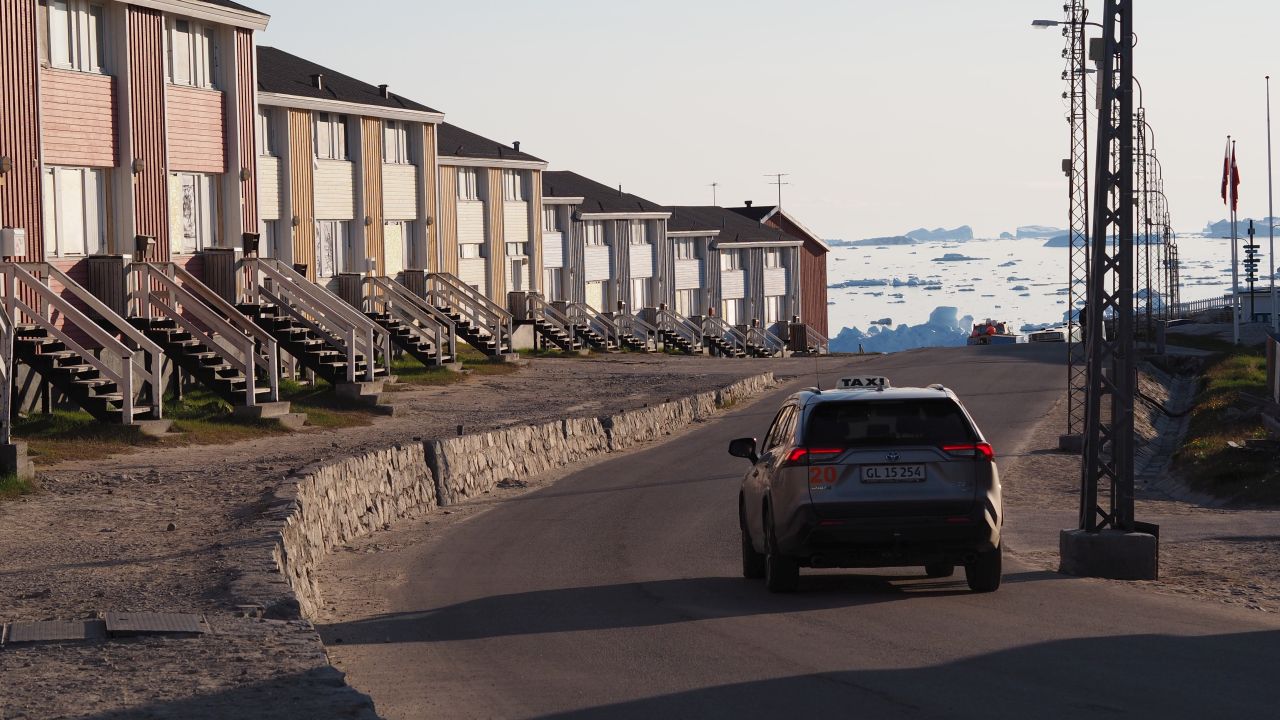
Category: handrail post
[251,373]
[126,392]
[351,355]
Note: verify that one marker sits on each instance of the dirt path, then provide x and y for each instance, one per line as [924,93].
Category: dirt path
[167,530]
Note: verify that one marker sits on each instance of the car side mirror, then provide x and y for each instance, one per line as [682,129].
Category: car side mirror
[744,448]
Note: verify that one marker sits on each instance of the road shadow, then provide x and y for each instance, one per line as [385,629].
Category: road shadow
[1139,676]
[318,693]
[642,604]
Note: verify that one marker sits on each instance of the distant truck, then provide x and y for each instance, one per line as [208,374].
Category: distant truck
[992,333]
[1056,335]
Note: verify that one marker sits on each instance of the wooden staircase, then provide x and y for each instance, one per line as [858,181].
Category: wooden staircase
[92,362]
[309,347]
[418,329]
[723,339]
[480,322]
[676,331]
[593,327]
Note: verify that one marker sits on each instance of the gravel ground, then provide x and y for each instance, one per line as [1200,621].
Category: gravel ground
[98,538]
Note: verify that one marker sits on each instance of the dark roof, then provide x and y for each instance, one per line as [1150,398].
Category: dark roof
[733,227]
[233,6]
[280,72]
[453,141]
[597,197]
[755,212]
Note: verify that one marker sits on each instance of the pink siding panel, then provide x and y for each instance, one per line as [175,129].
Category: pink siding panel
[20,122]
[246,87]
[197,139]
[146,113]
[77,115]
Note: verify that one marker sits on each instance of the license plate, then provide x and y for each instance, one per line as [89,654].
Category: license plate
[892,473]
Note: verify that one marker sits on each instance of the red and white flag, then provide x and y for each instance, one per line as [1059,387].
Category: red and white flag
[1226,170]
[1235,181]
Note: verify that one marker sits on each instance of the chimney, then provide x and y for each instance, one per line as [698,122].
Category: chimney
[516,145]
[383,91]
[318,80]
[619,189]
[749,203]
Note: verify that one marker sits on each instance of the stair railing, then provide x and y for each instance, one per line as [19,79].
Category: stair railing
[630,324]
[585,315]
[7,377]
[341,326]
[539,309]
[32,280]
[166,290]
[816,340]
[383,294]
[672,322]
[713,326]
[446,290]
[761,337]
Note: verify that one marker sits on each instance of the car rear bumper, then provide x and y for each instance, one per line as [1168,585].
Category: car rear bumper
[890,541]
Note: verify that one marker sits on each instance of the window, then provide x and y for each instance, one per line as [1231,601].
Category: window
[75,211]
[783,430]
[688,302]
[639,293]
[192,53]
[194,199]
[772,309]
[517,249]
[333,248]
[398,238]
[469,251]
[685,248]
[772,259]
[269,243]
[74,39]
[730,260]
[731,311]
[512,186]
[637,233]
[551,218]
[331,136]
[395,142]
[887,422]
[266,133]
[553,283]
[467,184]
[593,233]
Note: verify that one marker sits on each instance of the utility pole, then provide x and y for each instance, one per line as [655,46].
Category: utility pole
[1076,168]
[713,187]
[1272,270]
[777,180]
[1109,541]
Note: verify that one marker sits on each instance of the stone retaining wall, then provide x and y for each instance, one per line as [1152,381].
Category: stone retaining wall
[326,505]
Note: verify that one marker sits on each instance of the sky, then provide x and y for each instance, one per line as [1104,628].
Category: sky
[887,115]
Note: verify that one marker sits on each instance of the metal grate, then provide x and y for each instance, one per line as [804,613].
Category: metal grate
[54,631]
[126,624]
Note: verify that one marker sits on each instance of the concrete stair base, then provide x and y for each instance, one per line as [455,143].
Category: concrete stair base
[153,428]
[14,461]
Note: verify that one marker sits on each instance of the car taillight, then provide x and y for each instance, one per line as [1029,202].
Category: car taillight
[976,450]
[800,456]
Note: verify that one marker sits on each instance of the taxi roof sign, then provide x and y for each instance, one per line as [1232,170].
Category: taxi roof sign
[864,382]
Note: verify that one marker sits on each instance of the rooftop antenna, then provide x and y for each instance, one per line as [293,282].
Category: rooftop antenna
[713,187]
[777,180]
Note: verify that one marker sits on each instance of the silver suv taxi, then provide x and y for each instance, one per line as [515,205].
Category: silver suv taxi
[867,475]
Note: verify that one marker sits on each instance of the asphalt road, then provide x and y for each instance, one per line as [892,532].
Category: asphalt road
[616,593]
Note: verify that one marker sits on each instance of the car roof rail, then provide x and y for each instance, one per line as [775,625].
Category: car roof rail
[939,387]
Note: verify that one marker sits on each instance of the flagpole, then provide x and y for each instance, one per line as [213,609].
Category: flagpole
[1235,271]
[1271,220]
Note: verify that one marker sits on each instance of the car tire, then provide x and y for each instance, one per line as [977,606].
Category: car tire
[781,573]
[983,574]
[753,562]
[939,570]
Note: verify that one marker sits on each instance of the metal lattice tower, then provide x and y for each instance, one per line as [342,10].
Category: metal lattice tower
[1077,171]
[1106,493]
[1142,220]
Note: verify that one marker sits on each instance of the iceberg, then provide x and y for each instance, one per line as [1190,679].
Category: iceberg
[944,329]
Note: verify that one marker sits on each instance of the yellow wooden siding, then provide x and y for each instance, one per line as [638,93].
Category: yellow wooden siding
[495,242]
[302,190]
[428,188]
[535,230]
[371,154]
[447,225]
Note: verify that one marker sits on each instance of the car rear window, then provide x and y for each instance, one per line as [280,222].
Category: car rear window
[887,422]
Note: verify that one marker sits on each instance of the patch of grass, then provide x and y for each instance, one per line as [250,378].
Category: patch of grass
[74,434]
[1222,414]
[322,407]
[12,486]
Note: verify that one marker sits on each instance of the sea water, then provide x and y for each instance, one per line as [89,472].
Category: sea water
[1019,282]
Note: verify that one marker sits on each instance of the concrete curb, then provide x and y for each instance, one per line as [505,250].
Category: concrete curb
[323,506]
